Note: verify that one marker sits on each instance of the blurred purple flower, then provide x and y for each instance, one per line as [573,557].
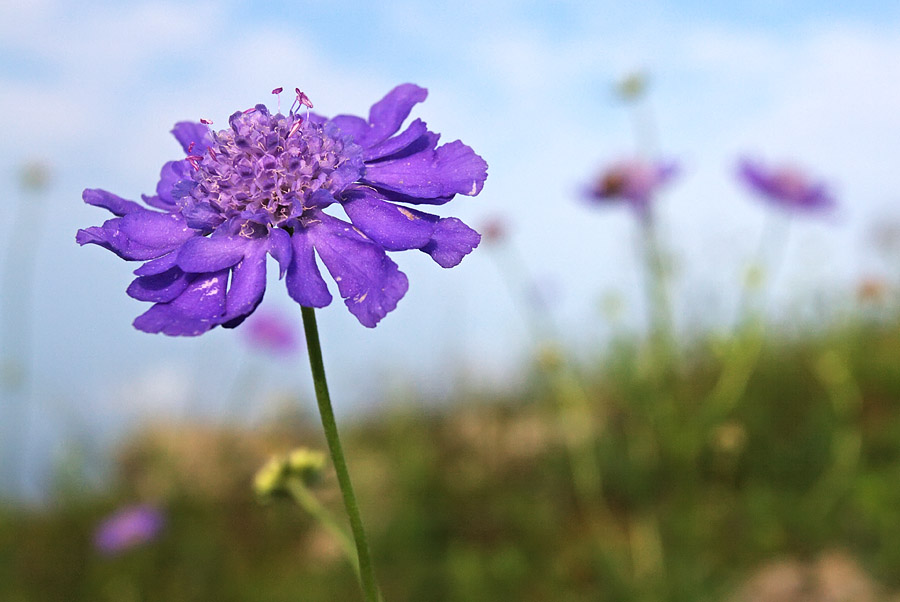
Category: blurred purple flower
[785,187]
[127,528]
[272,332]
[261,188]
[632,180]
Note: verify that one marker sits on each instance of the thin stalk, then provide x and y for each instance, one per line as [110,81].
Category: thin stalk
[660,313]
[367,572]
[573,407]
[749,331]
[306,500]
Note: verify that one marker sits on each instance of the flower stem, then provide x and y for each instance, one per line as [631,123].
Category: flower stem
[306,500]
[367,573]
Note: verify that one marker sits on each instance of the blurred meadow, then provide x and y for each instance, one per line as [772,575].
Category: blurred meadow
[669,372]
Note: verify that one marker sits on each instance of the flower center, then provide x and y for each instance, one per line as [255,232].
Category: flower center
[790,183]
[267,169]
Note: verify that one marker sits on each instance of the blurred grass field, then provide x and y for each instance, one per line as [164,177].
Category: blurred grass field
[708,462]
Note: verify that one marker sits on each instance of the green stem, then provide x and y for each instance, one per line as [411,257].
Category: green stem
[367,573]
[306,500]
[655,278]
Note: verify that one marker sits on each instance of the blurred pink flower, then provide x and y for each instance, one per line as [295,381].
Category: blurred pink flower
[785,186]
[494,230]
[129,527]
[270,331]
[632,180]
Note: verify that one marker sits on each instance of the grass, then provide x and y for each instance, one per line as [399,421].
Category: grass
[475,500]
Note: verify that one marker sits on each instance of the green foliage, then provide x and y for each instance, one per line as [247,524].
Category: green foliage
[476,501]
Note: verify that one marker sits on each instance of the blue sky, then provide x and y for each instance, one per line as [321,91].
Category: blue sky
[93,89]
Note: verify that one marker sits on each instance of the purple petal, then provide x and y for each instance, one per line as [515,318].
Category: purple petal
[452,240]
[388,114]
[202,254]
[198,133]
[171,173]
[785,186]
[115,204]
[453,168]
[248,282]
[139,235]
[370,283]
[397,197]
[304,283]
[393,227]
[351,125]
[280,249]
[385,117]
[157,266]
[158,203]
[200,307]
[160,288]
[390,146]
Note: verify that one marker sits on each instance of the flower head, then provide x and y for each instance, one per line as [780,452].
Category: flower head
[632,180]
[785,187]
[127,528]
[262,186]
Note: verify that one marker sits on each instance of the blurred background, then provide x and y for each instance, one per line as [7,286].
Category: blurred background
[586,408]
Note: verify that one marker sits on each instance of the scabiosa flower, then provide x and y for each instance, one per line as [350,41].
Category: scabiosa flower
[634,181]
[271,332]
[127,528]
[262,186]
[785,187]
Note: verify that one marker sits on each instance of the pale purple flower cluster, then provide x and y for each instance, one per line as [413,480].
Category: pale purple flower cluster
[129,527]
[261,188]
[634,181]
[785,187]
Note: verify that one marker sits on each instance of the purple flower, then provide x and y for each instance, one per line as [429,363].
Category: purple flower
[261,187]
[271,332]
[127,528]
[785,187]
[632,180]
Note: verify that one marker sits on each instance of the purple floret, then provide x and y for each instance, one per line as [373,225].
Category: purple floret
[261,187]
[785,187]
[127,528]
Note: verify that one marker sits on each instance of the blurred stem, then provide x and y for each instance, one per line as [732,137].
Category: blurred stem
[770,252]
[643,123]
[367,572]
[660,313]
[306,500]
[573,407]
[535,312]
[835,373]
[748,334]
[648,560]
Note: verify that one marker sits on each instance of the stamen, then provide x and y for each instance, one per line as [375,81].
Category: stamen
[250,110]
[277,92]
[295,127]
[194,160]
[303,99]
[205,121]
